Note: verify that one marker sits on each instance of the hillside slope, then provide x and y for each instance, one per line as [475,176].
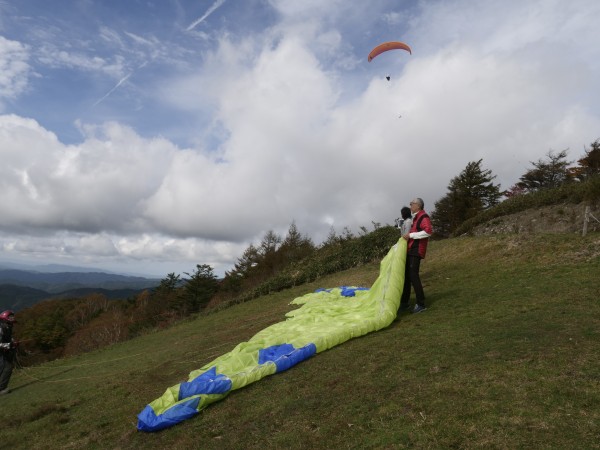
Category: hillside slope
[564,217]
[505,357]
[19,297]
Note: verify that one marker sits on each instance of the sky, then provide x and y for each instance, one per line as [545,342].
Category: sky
[149,136]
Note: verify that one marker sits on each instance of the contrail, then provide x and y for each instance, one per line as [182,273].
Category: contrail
[208,12]
[121,81]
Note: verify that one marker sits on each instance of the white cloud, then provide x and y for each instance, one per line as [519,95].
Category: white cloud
[95,186]
[111,36]
[394,18]
[14,69]
[287,132]
[291,9]
[99,245]
[142,41]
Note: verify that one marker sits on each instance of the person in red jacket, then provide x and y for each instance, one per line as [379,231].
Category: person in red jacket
[417,238]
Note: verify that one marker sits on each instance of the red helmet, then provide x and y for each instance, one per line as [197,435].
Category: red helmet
[8,316]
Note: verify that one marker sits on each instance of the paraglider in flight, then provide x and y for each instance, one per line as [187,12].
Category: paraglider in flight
[393,45]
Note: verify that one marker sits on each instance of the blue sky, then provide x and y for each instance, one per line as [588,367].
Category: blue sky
[151,136]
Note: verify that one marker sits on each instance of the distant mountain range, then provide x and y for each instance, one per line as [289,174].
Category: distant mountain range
[55,268]
[21,289]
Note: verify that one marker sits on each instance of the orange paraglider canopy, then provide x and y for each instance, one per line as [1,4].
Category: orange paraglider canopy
[388,46]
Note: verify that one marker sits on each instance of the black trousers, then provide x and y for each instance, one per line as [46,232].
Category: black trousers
[411,277]
[6,368]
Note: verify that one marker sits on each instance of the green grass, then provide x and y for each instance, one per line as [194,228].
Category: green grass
[507,356]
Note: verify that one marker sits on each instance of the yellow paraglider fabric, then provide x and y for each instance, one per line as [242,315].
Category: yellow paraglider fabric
[325,319]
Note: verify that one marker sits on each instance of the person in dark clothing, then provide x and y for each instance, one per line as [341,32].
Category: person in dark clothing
[406,222]
[7,349]
[417,238]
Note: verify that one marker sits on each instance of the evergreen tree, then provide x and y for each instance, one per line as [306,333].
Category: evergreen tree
[233,282]
[549,173]
[332,238]
[165,297]
[269,244]
[199,288]
[246,262]
[469,193]
[295,246]
[267,250]
[169,283]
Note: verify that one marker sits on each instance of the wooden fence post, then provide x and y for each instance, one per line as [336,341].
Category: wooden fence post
[586,219]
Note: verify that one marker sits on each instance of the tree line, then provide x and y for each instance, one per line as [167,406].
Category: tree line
[473,190]
[62,327]
[55,328]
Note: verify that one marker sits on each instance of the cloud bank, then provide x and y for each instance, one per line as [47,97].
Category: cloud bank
[290,123]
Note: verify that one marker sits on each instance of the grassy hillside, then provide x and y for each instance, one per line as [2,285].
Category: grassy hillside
[505,357]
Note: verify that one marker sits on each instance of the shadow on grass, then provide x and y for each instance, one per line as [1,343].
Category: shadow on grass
[431,299]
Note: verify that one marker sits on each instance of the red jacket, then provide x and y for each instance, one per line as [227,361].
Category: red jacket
[421,222]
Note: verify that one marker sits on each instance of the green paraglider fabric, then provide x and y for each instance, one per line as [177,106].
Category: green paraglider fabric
[325,319]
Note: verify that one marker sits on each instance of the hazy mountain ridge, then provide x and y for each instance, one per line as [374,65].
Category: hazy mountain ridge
[57,268]
[56,282]
[21,289]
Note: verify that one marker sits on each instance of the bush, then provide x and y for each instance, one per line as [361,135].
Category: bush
[575,192]
[335,257]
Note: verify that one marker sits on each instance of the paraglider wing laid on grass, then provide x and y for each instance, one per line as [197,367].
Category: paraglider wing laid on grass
[326,318]
[394,45]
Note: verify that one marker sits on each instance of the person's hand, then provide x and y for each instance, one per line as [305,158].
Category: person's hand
[406,236]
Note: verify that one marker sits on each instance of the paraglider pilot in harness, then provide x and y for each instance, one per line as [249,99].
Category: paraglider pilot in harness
[8,349]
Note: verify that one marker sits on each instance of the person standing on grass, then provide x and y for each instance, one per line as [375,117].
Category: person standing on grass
[406,222]
[417,238]
[8,348]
